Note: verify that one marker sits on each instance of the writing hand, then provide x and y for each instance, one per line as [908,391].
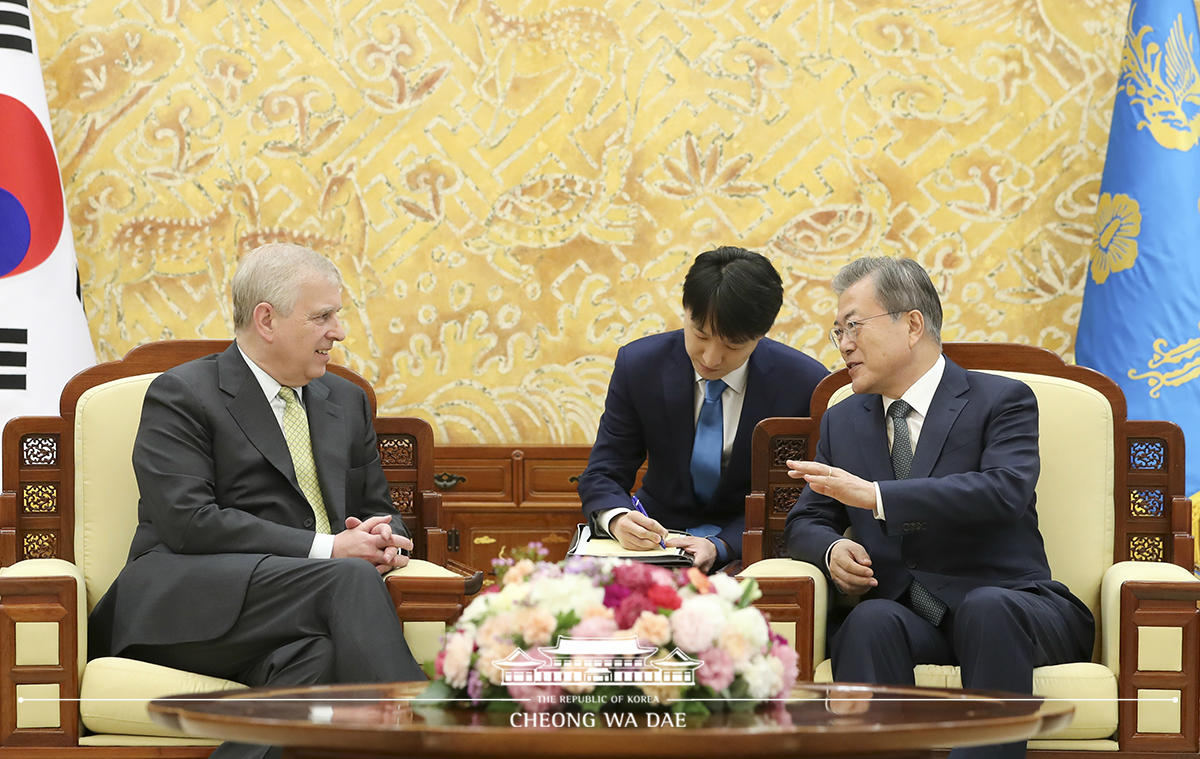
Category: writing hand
[637,532]
[850,568]
[838,484]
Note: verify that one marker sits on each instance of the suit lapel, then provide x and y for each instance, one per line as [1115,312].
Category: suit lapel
[329,446]
[943,411]
[679,402]
[252,412]
[872,430]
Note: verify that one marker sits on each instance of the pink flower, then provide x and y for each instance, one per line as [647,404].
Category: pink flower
[632,607]
[475,687]
[633,575]
[437,663]
[594,627]
[652,629]
[694,626]
[717,672]
[456,664]
[664,597]
[535,626]
[791,670]
[614,594]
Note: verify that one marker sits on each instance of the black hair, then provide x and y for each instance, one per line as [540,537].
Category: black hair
[734,293]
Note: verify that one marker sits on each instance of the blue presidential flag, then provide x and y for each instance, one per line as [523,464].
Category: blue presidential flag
[1140,322]
[44,337]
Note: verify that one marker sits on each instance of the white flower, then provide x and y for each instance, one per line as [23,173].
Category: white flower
[727,587]
[564,594]
[752,626]
[764,676]
[698,622]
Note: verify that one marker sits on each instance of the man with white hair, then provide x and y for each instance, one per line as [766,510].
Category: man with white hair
[265,520]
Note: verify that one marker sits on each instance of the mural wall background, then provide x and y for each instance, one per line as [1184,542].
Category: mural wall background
[515,188]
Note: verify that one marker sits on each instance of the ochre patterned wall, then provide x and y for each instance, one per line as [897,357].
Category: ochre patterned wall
[515,188]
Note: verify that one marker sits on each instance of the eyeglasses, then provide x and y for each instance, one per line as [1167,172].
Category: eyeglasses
[851,329]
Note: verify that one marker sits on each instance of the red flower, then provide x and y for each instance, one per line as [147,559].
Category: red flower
[631,608]
[664,597]
[437,663]
[633,575]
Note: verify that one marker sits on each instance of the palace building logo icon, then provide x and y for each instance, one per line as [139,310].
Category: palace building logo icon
[621,661]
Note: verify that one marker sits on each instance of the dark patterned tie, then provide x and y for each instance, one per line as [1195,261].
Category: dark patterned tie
[931,608]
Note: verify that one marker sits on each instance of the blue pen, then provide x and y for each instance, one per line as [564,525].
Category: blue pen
[642,510]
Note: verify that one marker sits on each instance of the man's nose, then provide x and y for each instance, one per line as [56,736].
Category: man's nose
[713,356]
[337,333]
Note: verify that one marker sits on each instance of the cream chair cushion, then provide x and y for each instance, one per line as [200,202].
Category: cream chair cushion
[106,423]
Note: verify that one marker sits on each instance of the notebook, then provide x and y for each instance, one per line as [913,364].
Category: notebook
[584,544]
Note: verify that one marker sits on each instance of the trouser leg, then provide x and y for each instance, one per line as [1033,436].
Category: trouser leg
[999,636]
[882,640]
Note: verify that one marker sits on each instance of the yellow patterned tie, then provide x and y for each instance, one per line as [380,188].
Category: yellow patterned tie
[295,431]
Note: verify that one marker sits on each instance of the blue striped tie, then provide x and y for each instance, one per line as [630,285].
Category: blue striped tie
[710,440]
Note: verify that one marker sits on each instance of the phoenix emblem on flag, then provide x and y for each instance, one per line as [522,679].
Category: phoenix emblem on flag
[1185,358]
[1163,80]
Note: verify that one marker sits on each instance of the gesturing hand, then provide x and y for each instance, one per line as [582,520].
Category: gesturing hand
[838,484]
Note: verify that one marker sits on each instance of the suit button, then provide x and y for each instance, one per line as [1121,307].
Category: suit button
[308,522]
[905,527]
[924,525]
[910,563]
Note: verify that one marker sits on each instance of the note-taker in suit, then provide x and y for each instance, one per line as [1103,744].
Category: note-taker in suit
[688,401]
[265,520]
[934,468]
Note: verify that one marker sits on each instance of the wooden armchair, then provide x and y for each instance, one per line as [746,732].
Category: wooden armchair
[68,511]
[1117,531]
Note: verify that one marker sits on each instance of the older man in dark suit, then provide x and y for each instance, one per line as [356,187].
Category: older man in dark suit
[689,400]
[265,518]
[934,467]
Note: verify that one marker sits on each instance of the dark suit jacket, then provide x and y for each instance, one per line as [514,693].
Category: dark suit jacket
[964,519]
[219,493]
[650,412]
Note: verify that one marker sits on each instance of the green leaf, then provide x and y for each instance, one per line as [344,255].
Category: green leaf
[441,691]
[750,594]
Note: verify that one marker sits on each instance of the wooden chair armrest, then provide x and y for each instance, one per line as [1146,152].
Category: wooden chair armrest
[38,599]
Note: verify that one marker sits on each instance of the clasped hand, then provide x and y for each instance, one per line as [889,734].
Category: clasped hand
[374,541]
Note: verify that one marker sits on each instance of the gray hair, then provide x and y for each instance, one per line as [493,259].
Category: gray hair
[274,273]
[901,285]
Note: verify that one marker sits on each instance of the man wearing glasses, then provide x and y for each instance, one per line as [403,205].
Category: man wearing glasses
[688,401]
[934,468]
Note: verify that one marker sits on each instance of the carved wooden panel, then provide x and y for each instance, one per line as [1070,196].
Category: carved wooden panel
[403,498]
[39,450]
[1146,548]
[40,545]
[785,448]
[39,498]
[397,450]
[1147,502]
[1147,454]
[784,498]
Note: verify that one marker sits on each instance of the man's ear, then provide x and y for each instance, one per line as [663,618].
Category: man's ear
[263,321]
[916,327]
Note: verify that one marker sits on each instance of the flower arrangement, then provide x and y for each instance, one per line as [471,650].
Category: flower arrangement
[592,633]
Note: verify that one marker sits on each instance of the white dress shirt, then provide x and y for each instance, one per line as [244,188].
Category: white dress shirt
[322,545]
[732,399]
